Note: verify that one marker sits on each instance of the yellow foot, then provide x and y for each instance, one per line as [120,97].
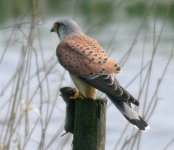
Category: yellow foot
[77,95]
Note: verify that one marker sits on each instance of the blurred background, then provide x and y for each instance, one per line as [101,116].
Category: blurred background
[139,34]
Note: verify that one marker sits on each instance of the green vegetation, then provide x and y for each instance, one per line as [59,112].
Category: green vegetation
[102,10]
[162,9]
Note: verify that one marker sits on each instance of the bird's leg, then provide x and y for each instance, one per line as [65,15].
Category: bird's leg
[77,95]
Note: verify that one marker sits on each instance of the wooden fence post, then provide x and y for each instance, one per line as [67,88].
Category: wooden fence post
[89,121]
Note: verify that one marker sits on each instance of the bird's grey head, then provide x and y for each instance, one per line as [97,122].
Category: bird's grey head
[65,28]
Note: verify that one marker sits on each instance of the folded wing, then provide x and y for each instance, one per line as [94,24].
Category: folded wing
[110,86]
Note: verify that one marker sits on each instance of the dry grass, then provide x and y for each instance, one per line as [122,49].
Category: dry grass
[28,90]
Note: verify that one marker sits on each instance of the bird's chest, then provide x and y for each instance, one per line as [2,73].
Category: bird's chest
[63,57]
[68,59]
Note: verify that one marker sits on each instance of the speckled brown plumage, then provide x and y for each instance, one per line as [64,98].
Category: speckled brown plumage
[83,56]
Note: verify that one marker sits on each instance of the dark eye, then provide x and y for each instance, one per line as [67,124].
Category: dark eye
[57,25]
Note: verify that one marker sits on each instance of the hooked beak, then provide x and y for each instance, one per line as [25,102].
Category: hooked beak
[52,29]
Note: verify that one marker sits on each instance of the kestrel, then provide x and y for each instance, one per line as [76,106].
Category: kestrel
[90,68]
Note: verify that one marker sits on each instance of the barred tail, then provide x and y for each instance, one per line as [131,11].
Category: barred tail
[131,115]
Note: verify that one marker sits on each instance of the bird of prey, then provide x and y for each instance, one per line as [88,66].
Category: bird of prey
[90,68]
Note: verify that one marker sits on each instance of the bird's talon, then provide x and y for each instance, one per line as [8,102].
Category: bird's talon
[77,95]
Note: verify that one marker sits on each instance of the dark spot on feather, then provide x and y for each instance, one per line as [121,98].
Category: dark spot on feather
[118,68]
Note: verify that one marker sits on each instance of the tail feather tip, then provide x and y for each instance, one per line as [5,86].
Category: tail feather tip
[146,129]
